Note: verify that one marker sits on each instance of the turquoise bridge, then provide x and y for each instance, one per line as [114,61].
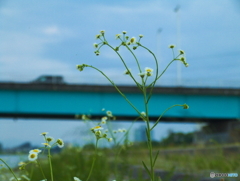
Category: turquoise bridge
[31,100]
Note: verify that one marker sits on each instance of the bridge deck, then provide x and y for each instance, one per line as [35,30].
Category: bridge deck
[65,100]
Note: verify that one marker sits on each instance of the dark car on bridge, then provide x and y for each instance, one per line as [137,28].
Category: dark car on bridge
[49,79]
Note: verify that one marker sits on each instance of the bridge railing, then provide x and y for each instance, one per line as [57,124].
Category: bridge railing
[119,80]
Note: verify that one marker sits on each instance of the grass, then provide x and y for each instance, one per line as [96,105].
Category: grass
[76,162]
[200,161]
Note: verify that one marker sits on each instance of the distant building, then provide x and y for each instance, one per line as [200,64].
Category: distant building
[230,133]
[140,134]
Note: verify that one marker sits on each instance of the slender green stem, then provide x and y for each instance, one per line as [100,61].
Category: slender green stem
[157,67]
[117,145]
[148,134]
[116,88]
[9,169]
[153,83]
[173,53]
[139,68]
[94,160]
[125,65]
[163,114]
[130,127]
[50,163]
[111,133]
[40,167]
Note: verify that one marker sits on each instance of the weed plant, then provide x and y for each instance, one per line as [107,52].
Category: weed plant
[72,164]
[145,85]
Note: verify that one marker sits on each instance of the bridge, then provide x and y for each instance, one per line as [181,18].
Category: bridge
[64,101]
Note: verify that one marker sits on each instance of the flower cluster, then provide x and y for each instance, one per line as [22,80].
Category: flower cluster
[81,67]
[33,154]
[50,141]
[181,54]
[148,72]
[98,130]
[125,41]
[183,60]
[120,130]
[100,134]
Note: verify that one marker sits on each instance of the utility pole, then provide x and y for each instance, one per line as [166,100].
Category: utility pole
[158,54]
[178,24]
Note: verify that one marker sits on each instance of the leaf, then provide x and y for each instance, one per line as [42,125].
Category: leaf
[154,161]
[146,169]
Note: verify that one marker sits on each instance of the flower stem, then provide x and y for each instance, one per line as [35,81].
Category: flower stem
[120,92]
[9,169]
[163,114]
[148,133]
[50,163]
[126,65]
[94,160]
[40,167]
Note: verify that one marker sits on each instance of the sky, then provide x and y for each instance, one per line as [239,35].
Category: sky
[42,37]
[52,37]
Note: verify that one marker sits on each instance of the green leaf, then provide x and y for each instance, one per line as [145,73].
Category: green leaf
[146,169]
[154,161]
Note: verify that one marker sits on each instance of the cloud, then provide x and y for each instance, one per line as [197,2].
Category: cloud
[51,30]
[22,58]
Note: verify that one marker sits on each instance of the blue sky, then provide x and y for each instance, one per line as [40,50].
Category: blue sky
[51,37]
[40,37]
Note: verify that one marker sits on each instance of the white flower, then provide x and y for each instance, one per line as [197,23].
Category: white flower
[115,131]
[118,36]
[109,113]
[49,139]
[124,130]
[143,114]
[120,130]
[21,163]
[84,117]
[46,145]
[60,143]
[149,71]
[98,36]
[35,151]
[95,45]
[44,133]
[96,128]
[132,40]
[142,74]
[104,119]
[76,179]
[181,52]
[32,156]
